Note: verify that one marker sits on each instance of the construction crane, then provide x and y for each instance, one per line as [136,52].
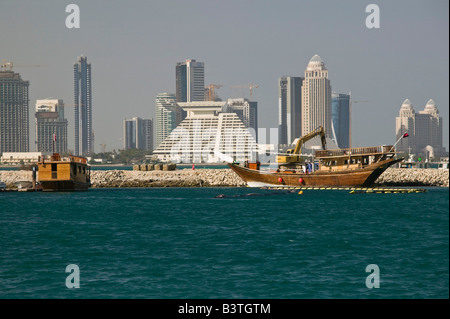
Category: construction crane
[211,91]
[5,65]
[293,155]
[350,117]
[250,86]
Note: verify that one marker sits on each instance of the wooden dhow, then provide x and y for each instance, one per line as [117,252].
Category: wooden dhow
[57,173]
[350,167]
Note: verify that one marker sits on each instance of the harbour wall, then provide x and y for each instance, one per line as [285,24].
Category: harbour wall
[224,177]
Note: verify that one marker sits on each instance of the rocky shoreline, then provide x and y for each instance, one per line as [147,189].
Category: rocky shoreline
[223,177]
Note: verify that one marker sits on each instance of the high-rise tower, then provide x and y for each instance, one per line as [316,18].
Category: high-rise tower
[83,107]
[51,126]
[14,110]
[340,117]
[424,129]
[190,81]
[138,134]
[316,97]
[289,109]
[168,116]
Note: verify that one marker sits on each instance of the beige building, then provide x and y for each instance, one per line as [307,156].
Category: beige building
[424,129]
[16,158]
[51,126]
[316,98]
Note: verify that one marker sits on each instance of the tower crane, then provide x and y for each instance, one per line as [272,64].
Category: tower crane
[250,86]
[9,65]
[211,91]
[350,116]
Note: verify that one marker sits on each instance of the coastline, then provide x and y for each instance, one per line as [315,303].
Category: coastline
[223,178]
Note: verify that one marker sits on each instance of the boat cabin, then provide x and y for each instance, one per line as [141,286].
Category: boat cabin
[352,158]
[70,168]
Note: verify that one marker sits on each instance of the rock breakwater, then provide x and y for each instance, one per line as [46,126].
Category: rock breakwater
[414,177]
[176,178]
[223,177]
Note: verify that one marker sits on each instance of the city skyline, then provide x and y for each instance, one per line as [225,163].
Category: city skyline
[382,66]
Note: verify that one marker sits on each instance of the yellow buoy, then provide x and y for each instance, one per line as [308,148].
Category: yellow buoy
[300,192]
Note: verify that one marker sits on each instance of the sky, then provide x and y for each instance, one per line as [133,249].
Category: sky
[133,47]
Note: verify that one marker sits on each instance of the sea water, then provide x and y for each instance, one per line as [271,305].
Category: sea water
[252,243]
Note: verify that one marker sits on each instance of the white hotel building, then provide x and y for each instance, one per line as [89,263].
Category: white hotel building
[207,133]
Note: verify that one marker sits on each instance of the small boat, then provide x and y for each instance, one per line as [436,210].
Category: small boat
[23,184]
[351,167]
[56,173]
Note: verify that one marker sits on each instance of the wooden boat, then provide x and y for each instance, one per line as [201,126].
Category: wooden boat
[57,173]
[355,167]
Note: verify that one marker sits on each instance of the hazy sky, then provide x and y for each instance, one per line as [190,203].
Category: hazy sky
[133,47]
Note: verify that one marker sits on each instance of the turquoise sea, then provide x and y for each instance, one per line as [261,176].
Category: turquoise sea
[254,243]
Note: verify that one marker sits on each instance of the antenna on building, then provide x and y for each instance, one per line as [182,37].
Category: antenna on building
[350,116]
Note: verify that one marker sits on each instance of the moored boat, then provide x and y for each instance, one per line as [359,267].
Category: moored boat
[57,173]
[351,167]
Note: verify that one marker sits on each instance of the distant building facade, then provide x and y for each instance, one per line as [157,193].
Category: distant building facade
[168,116]
[424,129]
[17,158]
[138,134]
[340,119]
[289,109]
[14,111]
[84,137]
[316,98]
[190,81]
[51,126]
[247,111]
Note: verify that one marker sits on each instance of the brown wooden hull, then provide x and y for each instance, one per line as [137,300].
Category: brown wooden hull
[63,186]
[363,177]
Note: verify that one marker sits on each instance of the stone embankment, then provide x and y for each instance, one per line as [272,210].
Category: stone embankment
[223,177]
[176,178]
[414,177]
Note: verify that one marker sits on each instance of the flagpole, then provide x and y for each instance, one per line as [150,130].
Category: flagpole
[53,142]
[403,135]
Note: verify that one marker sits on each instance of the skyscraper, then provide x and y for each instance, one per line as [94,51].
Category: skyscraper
[168,116]
[340,117]
[289,109]
[14,111]
[138,133]
[83,107]
[190,81]
[424,130]
[51,126]
[316,97]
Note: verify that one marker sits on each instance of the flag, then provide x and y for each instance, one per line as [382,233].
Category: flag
[405,135]
[54,137]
